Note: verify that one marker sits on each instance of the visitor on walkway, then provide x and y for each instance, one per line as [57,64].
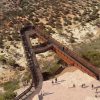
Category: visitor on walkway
[56,80]
[83,85]
[96,89]
[96,96]
[92,86]
[52,82]
[73,85]
[41,93]
[63,48]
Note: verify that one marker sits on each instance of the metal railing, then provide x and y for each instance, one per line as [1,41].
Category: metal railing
[70,53]
[37,79]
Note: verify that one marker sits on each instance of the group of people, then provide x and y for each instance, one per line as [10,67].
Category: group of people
[84,85]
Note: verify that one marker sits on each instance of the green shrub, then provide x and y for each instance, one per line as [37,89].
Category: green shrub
[11,62]
[27,77]
[54,68]
[11,85]
[2,59]
[1,97]
[72,39]
[51,68]
[93,57]
[9,95]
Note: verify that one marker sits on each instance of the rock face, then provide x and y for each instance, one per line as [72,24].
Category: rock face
[71,22]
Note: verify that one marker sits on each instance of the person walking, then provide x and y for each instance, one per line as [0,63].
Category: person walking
[56,80]
[82,85]
[96,90]
[52,82]
[74,85]
[96,95]
[92,86]
[63,48]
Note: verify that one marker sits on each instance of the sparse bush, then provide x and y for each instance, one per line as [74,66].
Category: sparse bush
[8,95]
[49,30]
[11,62]
[16,36]
[51,68]
[93,57]
[26,78]
[3,59]
[72,39]
[1,41]
[11,85]
[91,52]
[67,21]
[1,97]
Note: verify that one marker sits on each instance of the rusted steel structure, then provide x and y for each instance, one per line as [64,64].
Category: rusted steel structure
[63,52]
[67,55]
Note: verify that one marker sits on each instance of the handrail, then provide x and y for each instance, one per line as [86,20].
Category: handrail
[43,49]
[70,53]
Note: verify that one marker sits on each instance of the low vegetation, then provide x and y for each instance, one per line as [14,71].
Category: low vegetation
[9,88]
[51,67]
[91,52]
[93,57]
[10,85]
[11,62]
[8,95]
[26,78]
[2,59]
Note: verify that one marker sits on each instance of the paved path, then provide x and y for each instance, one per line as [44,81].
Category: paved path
[63,91]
